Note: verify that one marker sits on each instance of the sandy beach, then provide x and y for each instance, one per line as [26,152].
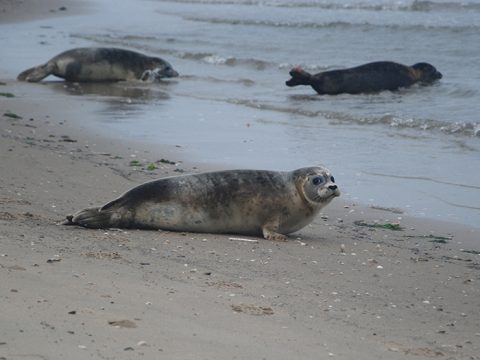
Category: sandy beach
[358,283]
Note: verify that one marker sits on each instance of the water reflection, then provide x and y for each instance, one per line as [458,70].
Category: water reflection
[126,90]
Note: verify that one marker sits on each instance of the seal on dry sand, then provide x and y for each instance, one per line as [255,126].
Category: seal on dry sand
[369,78]
[249,202]
[100,64]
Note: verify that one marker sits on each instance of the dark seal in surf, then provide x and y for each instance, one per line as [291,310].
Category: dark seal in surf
[250,202]
[101,64]
[369,78]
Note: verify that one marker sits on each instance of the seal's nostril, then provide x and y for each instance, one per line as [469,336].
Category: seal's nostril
[333,187]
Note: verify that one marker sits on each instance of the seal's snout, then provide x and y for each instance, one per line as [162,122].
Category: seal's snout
[158,74]
[299,77]
[335,190]
[426,72]
[170,72]
[290,83]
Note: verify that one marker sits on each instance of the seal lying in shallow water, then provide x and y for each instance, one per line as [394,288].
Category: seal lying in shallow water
[100,64]
[368,78]
[250,202]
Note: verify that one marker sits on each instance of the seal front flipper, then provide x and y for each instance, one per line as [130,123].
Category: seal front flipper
[269,231]
[37,73]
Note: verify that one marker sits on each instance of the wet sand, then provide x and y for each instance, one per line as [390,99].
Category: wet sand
[12,11]
[341,288]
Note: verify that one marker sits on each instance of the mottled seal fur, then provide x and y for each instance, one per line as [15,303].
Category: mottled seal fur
[369,78]
[100,64]
[250,202]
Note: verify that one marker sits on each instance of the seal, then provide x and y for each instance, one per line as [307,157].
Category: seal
[248,202]
[100,64]
[369,78]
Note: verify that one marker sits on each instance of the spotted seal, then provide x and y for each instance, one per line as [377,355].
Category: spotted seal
[249,202]
[369,78]
[100,64]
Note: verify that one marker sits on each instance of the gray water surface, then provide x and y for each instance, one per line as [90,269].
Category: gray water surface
[416,149]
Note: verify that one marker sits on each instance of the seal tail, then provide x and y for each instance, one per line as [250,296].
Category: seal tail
[93,218]
[299,77]
[37,73]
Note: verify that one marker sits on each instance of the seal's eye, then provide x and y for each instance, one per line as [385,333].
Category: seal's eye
[318,180]
[332,179]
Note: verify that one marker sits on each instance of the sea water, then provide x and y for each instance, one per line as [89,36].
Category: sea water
[416,149]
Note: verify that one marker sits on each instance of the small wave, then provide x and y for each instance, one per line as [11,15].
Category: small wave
[215,59]
[460,128]
[193,56]
[245,82]
[267,23]
[416,5]
[463,206]
[424,178]
[425,5]
[456,128]
[206,57]
[219,60]
[215,2]
[364,26]
[463,93]
[290,4]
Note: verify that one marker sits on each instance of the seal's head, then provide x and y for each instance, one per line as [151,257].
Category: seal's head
[299,77]
[158,69]
[316,184]
[426,72]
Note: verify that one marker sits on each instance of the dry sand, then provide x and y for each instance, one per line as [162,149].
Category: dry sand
[337,289]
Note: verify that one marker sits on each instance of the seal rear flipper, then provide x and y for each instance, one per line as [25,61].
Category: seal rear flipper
[93,218]
[37,73]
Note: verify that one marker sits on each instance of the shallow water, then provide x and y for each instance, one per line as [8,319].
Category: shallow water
[417,149]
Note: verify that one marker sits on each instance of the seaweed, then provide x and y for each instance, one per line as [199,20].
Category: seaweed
[7,95]
[151,167]
[474,252]
[387,226]
[12,115]
[165,161]
[135,163]
[433,238]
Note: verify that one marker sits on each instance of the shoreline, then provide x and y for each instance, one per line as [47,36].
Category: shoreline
[350,285]
[119,153]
